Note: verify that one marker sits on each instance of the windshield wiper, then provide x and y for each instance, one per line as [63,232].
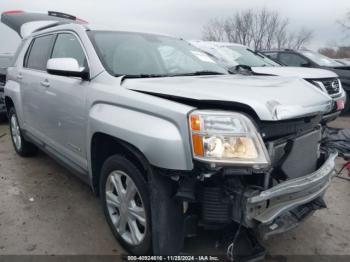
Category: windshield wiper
[200,73]
[141,76]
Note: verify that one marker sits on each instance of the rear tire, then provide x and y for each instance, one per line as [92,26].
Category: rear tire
[126,204]
[21,145]
[3,118]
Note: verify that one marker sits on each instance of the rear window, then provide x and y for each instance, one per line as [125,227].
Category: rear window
[39,53]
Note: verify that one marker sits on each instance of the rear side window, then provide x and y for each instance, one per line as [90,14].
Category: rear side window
[68,46]
[39,53]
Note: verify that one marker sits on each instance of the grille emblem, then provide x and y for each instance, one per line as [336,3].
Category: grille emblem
[335,85]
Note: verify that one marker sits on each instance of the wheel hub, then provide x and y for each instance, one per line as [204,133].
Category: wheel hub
[125,207]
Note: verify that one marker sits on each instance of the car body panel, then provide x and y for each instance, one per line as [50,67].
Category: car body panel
[272,98]
[155,126]
[292,193]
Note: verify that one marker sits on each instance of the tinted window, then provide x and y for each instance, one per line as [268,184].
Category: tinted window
[40,52]
[292,59]
[68,46]
[273,56]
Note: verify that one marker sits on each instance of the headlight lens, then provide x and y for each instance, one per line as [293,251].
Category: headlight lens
[227,138]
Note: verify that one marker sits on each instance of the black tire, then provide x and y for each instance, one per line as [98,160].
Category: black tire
[347,104]
[26,149]
[120,163]
[3,118]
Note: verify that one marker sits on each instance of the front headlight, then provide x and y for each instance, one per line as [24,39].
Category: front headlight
[227,138]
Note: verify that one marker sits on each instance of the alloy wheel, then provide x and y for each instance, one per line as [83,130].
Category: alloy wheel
[126,208]
[16,132]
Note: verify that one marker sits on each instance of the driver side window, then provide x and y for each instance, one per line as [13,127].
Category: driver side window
[68,46]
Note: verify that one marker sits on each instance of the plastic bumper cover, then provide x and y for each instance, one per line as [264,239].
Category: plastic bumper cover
[272,203]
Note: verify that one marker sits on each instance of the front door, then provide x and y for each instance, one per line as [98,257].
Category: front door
[65,100]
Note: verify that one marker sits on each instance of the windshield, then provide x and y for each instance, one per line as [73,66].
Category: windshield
[245,56]
[231,56]
[138,54]
[320,59]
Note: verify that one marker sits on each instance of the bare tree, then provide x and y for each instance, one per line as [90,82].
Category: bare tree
[302,38]
[214,31]
[345,23]
[282,36]
[340,52]
[259,29]
[327,51]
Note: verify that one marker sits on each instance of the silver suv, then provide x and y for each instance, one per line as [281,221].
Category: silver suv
[167,138]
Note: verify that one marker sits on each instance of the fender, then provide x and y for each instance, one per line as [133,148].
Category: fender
[159,139]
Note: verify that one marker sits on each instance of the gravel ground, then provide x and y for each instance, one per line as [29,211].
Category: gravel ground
[46,210]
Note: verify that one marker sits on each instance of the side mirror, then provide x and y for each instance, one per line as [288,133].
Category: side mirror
[66,67]
[241,69]
[306,64]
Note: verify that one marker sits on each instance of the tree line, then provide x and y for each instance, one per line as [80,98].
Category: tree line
[259,29]
[340,51]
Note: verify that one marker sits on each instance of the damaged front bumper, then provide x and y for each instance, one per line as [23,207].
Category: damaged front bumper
[281,207]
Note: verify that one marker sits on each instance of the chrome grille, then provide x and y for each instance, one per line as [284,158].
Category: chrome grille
[332,86]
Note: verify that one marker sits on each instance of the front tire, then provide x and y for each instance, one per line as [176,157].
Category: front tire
[22,146]
[126,204]
[347,104]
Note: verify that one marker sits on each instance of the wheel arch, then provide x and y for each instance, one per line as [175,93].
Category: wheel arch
[8,104]
[103,146]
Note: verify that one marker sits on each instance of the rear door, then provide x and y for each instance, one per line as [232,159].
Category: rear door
[33,77]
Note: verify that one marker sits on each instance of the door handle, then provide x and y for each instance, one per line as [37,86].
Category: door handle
[20,76]
[45,83]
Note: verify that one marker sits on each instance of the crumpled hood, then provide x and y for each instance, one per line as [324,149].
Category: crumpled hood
[272,98]
[302,72]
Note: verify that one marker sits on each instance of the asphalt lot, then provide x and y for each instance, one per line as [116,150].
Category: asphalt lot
[46,210]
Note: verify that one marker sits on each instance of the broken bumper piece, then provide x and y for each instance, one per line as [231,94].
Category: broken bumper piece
[281,207]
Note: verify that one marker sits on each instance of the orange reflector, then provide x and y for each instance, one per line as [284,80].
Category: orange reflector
[198,145]
[195,123]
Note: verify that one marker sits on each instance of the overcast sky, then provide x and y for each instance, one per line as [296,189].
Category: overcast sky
[185,18]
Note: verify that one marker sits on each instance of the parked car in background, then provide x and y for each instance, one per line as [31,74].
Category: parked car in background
[164,135]
[343,61]
[231,55]
[5,62]
[307,58]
